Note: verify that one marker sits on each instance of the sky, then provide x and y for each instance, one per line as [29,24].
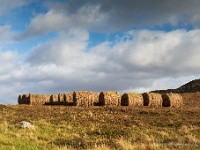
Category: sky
[57,46]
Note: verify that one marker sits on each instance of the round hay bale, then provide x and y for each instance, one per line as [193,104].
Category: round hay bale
[61,98]
[94,98]
[84,98]
[48,97]
[54,99]
[172,100]
[68,99]
[131,99]
[25,99]
[109,98]
[20,99]
[152,99]
[37,99]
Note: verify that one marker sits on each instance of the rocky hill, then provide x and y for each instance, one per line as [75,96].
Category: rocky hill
[190,87]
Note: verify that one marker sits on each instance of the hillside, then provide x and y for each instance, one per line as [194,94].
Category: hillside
[190,87]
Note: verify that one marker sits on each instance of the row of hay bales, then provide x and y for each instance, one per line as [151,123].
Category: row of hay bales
[86,99]
[33,99]
[60,99]
[152,100]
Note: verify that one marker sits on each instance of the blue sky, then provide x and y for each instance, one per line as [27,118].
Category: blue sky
[60,46]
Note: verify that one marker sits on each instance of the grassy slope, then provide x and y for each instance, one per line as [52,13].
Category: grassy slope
[99,128]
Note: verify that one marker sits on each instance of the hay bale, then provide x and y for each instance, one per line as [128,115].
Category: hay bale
[54,99]
[109,98]
[85,98]
[152,99]
[172,100]
[131,99]
[48,99]
[38,99]
[20,99]
[25,99]
[62,99]
[68,99]
[94,98]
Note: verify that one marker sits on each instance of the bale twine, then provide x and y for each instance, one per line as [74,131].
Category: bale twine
[54,99]
[130,99]
[68,99]
[172,100]
[37,99]
[152,99]
[109,98]
[84,98]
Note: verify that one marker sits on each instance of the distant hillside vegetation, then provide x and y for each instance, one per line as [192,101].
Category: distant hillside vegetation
[192,86]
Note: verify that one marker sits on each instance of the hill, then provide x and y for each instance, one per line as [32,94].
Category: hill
[190,87]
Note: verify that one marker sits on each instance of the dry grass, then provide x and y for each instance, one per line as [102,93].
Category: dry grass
[63,128]
[108,127]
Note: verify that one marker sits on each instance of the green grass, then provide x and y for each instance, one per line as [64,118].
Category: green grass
[99,128]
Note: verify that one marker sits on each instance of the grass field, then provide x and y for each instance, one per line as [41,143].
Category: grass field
[99,128]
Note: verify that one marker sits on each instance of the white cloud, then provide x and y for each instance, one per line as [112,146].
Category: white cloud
[62,50]
[163,52]
[139,61]
[87,17]
[146,55]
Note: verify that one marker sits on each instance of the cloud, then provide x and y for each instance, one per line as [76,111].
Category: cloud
[138,61]
[6,6]
[61,50]
[126,14]
[115,15]
[7,71]
[86,18]
[163,53]
[6,34]
[143,56]
[49,22]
